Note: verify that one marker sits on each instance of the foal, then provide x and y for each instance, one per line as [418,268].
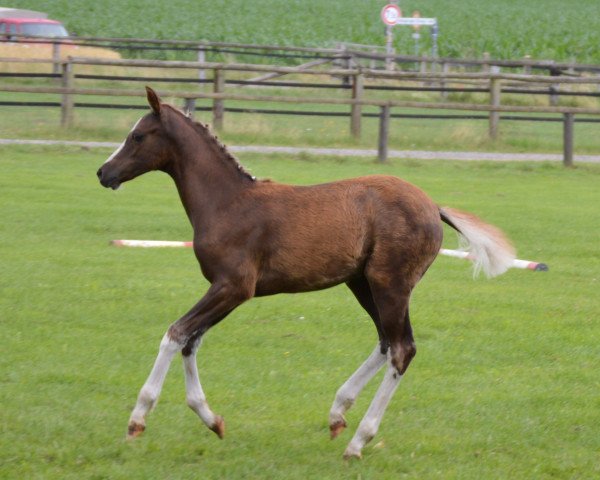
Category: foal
[378,234]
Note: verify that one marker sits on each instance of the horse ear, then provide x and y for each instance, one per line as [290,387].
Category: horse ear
[153,100]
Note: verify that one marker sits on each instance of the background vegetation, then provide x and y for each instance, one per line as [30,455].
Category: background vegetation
[544,29]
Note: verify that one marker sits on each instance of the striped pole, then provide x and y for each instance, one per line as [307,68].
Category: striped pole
[523,264]
[149,243]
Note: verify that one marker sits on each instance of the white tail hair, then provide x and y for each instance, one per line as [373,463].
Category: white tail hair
[489,248]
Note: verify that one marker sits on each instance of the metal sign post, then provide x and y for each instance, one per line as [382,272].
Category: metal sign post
[416,36]
[390,15]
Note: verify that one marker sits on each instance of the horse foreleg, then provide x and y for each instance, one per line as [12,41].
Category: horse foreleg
[347,393]
[195,397]
[151,390]
[370,423]
[184,335]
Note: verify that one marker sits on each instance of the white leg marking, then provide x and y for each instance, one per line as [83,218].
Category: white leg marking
[151,390]
[370,423]
[195,397]
[347,393]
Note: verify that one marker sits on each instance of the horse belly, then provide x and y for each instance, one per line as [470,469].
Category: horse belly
[313,261]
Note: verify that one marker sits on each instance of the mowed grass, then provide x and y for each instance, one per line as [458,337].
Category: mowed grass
[505,383]
[305,131]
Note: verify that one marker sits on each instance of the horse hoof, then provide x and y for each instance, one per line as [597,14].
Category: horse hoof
[219,427]
[135,430]
[336,428]
[350,454]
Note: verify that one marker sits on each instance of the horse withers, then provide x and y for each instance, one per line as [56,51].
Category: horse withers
[377,234]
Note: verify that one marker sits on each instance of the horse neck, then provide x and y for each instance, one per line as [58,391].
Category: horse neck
[207,178]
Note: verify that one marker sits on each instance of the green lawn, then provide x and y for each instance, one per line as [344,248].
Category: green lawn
[505,384]
[307,131]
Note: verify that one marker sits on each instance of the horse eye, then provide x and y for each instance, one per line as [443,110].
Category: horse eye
[137,137]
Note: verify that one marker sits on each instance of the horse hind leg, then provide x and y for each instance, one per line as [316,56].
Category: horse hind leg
[395,324]
[348,392]
[369,425]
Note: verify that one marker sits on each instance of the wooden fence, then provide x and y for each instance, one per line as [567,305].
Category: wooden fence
[347,54]
[492,80]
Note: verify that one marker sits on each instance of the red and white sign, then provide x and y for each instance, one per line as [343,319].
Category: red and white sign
[390,14]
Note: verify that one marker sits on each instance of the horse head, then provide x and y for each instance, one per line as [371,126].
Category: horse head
[146,148]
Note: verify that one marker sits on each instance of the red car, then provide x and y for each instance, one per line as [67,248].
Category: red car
[33,27]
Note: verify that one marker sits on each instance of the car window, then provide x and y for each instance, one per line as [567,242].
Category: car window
[2,28]
[43,30]
[12,29]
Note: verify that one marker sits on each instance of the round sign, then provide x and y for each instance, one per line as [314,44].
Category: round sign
[390,14]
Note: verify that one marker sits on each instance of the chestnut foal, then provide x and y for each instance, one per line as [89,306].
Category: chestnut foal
[378,234]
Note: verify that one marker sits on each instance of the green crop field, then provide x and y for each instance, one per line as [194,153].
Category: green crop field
[505,384]
[544,29]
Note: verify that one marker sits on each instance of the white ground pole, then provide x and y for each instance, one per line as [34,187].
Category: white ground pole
[523,264]
[150,243]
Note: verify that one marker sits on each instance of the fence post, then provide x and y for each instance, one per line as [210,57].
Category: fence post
[218,104]
[384,128]
[495,92]
[347,64]
[358,81]
[568,136]
[485,66]
[443,85]
[201,59]
[66,105]
[554,98]
[56,57]
[527,65]
[189,106]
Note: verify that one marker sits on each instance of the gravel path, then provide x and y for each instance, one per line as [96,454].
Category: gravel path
[349,152]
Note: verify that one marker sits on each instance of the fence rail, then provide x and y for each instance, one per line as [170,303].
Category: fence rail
[491,82]
[350,53]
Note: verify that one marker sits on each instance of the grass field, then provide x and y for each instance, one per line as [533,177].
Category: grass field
[505,384]
[304,131]
[544,29]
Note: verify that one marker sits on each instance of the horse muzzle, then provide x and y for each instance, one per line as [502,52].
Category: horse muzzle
[107,180]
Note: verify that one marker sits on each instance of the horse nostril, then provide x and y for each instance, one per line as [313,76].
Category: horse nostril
[99,173]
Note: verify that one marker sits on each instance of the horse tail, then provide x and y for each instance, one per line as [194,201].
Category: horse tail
[489,248]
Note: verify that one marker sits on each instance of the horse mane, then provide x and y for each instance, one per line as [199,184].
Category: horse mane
[204,131]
